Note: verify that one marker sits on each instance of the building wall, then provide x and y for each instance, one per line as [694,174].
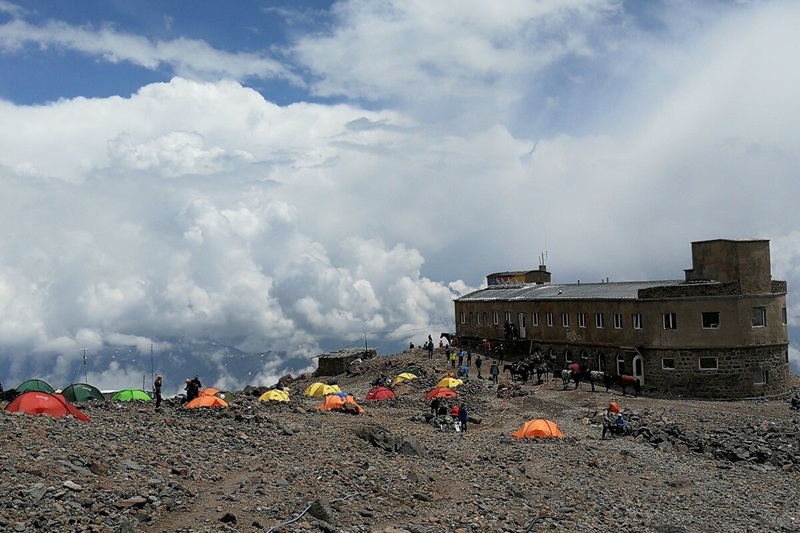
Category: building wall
[741,372]
[731,278]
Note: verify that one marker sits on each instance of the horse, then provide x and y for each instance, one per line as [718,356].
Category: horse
[595,376]
[626,381]
[542,369]
[452,340]
[519,371]
[568,375]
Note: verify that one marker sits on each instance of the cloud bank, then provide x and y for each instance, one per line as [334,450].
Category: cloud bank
[437,144]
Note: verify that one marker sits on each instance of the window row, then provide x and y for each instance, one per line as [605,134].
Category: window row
[708,319]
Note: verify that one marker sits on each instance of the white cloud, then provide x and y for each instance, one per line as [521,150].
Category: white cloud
[200,208]
[185,57]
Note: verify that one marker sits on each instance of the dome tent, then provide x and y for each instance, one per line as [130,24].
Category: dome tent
[129,395]
[82,392]
[44,403]
[36,385]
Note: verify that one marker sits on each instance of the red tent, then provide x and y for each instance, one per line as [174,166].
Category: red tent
[43,403]
[441,392]
[380,393]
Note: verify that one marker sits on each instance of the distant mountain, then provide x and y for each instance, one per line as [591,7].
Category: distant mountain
[216,363]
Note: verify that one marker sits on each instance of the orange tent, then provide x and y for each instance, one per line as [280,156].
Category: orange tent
[44,403]
[340,402]
[206,401]
[441,392]
[380,393]
[209,391]
[540,428]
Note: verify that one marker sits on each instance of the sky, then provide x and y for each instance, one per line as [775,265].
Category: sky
[301,175]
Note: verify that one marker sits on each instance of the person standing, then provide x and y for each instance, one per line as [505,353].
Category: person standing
[452,357]
[463,416]
[469,357]
[494,372]
[157,391]
[478,363]
[435,403]
[429,345]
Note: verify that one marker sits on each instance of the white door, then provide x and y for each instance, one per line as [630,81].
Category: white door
[638,368]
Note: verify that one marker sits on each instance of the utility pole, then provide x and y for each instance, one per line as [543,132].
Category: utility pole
[85,378]
[366,348]
[152,367]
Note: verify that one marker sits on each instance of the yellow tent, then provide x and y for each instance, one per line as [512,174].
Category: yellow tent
[318,389]
[274,395]
[539,428]
[450,383]
[405,376]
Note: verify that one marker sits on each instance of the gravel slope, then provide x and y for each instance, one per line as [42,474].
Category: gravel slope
[256,466]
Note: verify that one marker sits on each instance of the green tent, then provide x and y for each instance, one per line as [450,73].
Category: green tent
[35,385]
[82,392]
[129,395]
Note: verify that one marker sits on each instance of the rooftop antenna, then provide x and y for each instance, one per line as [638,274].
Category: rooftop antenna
[85,375]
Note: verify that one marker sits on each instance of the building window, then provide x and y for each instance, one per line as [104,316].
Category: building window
[758,317]
[708,363]
[598,321]
[565,319]
[710,320]
[783,316]
[581,320]
[550,320]
[668,363]
[485,321]
[636,320]
[670,321]
[521,320]
[601,362]
[760,376]
[567,357]
[617,321]
[508,316]
[496,318]
[478,318]
[535,318]
[620,364]
[464,317]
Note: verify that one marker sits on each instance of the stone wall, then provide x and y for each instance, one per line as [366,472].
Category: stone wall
[734,377]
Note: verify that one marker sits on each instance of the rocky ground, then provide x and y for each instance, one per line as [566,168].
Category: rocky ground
[687,466]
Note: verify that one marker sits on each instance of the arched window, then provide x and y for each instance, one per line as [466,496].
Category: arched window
[620,364]
[601,361]
[567,357]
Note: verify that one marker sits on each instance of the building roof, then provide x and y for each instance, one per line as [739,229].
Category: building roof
[621,290]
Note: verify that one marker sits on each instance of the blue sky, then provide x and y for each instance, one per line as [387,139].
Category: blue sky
[294,175]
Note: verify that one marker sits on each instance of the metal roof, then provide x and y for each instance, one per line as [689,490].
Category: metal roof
[619,290]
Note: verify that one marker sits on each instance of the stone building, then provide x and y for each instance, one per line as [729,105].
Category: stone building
[335,363]
[718,333]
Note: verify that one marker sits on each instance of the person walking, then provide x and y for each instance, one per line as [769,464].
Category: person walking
[469,357]
[157,391]
[452,359]
[461,358]
[478,363]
